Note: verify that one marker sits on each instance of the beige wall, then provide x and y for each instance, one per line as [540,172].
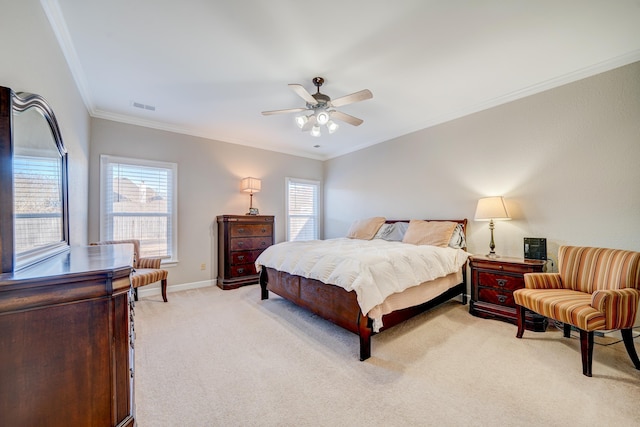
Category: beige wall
[566,160]
[31,61]
[209,174]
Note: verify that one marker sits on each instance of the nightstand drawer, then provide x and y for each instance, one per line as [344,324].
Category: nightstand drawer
[496,297]
[500,281]
[507,267]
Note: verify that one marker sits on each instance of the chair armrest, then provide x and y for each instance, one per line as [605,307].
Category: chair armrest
[149,263]
[619,305]
[543,281]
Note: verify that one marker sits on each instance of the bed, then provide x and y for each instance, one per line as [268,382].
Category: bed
[305,274]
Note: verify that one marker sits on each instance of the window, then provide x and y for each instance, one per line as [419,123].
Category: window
[138,201]
[37,202]
[302,209]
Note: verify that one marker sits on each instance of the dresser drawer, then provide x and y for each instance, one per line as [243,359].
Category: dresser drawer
[242,270]
[246,230]
[494,296]
[244,257]
[500,281]
[248,243]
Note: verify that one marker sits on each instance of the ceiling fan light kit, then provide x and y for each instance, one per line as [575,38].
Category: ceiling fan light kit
[322,110]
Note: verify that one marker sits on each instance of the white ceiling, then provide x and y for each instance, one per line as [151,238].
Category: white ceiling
[211,66]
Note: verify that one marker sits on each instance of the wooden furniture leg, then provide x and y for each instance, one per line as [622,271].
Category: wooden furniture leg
[164,289]
[521,321]
[627,336]
[586,347]
[566,329]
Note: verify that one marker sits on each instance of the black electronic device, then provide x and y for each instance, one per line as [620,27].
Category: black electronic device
[535,248]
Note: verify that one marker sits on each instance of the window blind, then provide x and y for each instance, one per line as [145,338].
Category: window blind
[37,202]
[302,209]
[139,203]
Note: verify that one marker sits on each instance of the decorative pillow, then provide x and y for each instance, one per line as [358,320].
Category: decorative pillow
[458,240]
[365,229]
[384,230]
[435,233]
[392,232]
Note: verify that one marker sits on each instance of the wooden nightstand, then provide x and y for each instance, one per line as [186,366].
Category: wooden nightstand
[241,238]
[493,281]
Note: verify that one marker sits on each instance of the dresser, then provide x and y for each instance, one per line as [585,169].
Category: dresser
[66,340]
[493,281]
[241,238]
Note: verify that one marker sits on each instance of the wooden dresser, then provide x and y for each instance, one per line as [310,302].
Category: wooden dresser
[241,238]
[66,340]
[493,281]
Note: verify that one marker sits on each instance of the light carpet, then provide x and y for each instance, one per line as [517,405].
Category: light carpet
[210,357]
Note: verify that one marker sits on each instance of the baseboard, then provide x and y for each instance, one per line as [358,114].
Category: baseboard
[151,291]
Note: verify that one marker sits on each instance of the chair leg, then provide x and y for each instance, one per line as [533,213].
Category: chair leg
[627,336]
[164,289]
[521,321]
[567,330]
[586,348]
[135,294]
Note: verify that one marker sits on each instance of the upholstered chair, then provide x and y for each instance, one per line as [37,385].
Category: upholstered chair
[595,289]
[145,270]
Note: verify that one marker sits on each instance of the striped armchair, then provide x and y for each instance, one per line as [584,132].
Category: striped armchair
[145,270]
[595,289]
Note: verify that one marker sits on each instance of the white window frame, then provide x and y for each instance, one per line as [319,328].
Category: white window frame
[317,203]
[105,160]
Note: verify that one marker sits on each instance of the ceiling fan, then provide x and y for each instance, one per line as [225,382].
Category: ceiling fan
[322,108]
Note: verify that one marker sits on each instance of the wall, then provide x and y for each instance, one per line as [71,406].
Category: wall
[209,174]
[32,61]
[566,161]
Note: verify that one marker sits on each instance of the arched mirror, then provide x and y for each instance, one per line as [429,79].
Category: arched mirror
[33,182]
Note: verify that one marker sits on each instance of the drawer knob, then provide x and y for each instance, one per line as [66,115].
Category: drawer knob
[240,257]
[264,230]
[240,243]
[240,230]
[240,270]
[502,282]
[502,299]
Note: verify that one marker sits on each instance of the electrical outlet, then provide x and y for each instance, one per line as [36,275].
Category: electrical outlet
[203,266]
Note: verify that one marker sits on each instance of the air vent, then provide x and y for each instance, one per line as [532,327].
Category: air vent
[143,106]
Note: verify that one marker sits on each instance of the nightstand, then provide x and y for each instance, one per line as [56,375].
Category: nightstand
[493,281]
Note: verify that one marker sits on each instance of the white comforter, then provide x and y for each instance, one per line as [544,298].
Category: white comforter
[374,269]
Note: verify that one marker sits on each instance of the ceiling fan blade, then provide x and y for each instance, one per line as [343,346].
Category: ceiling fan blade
[307,126]
[354,97]
[303,93]
[288,110]
[346,118]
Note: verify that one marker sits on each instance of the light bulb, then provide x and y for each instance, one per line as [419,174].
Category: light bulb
[332,126]
[301,121]
[315,131]
[322,117]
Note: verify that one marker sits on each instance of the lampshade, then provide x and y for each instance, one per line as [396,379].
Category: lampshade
[491,208]
[250,185]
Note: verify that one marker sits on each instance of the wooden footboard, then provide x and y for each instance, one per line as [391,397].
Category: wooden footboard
[339,306]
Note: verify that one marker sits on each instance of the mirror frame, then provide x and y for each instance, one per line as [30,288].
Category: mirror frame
[12,103]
